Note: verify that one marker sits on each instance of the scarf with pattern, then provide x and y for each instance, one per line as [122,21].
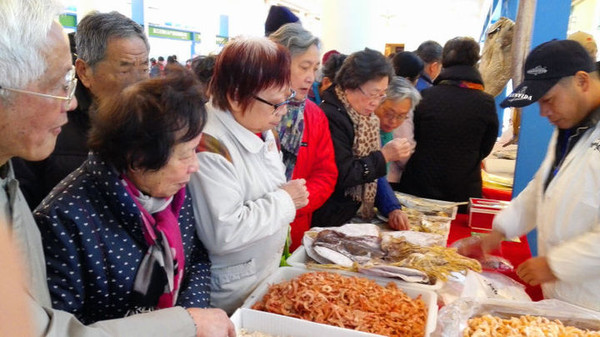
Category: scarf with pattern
[291,130]
[366,141]
[161,270]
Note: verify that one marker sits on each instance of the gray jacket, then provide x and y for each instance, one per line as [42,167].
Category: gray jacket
[50,322]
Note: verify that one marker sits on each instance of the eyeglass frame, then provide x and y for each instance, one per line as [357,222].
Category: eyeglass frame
[70,89]
[278,105]
[380,97]
[394,116]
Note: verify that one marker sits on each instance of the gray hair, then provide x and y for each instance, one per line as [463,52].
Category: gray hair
[96,29]
[25,25]
[400,88]
[295,38]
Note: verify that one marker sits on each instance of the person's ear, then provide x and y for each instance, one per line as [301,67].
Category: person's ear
[582,80]
[84,73]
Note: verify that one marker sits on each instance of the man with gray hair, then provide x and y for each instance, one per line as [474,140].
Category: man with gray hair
[37,85]
[112,53]
[431,54]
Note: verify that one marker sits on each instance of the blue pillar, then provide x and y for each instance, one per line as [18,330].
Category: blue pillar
[137,11]
[551,22]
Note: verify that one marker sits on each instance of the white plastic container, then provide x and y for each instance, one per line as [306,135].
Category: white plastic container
[288,273]
[283,326]
[299,258]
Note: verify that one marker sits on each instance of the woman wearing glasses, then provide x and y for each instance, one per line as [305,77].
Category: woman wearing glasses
[402,97]
[304,130]
[241,198]
[359,88]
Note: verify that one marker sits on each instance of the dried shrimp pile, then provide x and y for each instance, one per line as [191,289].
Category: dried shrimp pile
[349,302]
[436,261]
[522,326]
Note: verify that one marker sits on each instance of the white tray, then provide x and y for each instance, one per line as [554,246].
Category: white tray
[283,326]
[287,273]
[299,258]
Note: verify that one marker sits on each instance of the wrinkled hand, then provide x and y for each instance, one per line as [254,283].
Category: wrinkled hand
[397,149]
[297,190]
[398,220]
[536,271]
[212,323]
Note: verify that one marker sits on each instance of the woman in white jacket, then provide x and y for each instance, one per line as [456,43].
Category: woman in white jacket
[241,198]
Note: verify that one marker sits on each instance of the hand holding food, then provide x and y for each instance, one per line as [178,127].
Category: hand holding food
[398,220]
[297,190]
[397,149]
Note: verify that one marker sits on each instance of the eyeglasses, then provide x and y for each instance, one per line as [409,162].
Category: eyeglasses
[70,85]
[372,97]
[277,107]
[393,116]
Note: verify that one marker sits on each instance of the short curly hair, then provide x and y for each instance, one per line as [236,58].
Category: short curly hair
[363,66]
[139,128]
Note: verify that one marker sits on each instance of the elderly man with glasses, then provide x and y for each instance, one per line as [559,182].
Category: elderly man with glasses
[112,53]
[36,92]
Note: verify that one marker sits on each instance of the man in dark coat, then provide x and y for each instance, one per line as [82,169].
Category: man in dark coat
[103,70]
[455,128]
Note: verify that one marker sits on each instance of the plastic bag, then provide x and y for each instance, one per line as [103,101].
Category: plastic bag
[452,319]
[471,247]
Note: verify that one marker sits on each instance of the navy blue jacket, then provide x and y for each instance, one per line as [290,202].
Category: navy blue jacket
[93,242]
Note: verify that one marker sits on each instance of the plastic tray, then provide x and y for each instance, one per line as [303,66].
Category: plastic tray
[283,326]
[426,206]
[287,273]
[298,259]
[452,319]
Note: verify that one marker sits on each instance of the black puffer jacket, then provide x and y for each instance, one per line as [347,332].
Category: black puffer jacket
[37,179]
[352,171]
[455,128]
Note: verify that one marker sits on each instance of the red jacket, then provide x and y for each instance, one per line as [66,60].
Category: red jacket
[315,164]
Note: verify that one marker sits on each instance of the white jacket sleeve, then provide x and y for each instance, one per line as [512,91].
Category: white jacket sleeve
[519,217]
[226,220]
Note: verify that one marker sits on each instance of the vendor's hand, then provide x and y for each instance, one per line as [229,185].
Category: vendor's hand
[492,241]
[297,190]
[536,271]
[398,220]
[397,149]
[211,323]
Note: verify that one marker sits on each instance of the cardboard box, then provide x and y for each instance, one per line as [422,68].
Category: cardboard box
[482,212]
[283,326]
[287,273]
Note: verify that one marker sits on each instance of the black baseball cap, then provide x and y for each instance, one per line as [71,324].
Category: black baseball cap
[545,65]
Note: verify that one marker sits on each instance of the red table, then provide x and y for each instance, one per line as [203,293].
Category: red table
[515,252]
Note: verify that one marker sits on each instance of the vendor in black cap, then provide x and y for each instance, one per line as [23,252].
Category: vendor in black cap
[563,199]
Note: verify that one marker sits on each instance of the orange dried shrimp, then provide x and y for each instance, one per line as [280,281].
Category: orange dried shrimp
[349,302]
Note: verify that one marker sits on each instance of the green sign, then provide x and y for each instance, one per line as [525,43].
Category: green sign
[197,37]
[170,33]
[68,20]
[222,40]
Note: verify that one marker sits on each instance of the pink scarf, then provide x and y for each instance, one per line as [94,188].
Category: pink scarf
[165,251]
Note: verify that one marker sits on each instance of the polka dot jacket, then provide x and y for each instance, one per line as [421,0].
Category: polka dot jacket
[93,242]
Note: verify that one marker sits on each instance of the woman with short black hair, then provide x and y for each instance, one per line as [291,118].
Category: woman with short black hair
[119,232]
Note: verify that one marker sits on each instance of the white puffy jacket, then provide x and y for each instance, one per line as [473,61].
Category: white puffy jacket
[242,215]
